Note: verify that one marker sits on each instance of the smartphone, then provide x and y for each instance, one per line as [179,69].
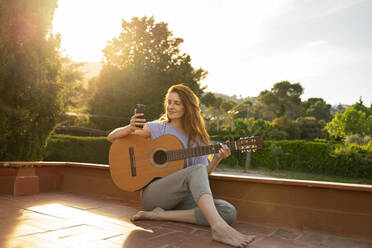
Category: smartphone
[140,109]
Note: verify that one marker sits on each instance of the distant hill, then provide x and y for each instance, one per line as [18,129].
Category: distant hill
[235,98]
[339,108]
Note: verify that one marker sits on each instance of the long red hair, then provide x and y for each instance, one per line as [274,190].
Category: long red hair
[192,120]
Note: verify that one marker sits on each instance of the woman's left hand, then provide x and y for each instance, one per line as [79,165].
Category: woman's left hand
[224,152]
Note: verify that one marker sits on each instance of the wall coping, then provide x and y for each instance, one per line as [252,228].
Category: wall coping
[225,177]
[23,164]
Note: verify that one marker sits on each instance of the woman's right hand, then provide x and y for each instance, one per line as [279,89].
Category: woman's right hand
[136,119]
[136,122]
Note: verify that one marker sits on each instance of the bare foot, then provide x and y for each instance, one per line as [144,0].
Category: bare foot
[147,215]
[224,233]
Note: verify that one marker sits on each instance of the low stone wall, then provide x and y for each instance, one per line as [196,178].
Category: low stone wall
[326,207]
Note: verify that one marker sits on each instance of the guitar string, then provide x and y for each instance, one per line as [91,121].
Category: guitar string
[204,150]
[196,151]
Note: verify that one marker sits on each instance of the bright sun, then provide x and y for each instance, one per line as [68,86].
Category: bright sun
[86,29]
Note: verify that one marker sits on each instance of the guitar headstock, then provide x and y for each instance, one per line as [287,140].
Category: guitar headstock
[249,144]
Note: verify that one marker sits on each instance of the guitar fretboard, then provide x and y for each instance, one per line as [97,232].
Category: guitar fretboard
[197,151]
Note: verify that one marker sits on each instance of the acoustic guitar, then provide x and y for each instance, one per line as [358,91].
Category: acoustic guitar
[136,161]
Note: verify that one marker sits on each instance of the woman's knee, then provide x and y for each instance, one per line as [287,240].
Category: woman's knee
[197,167]
[226,210]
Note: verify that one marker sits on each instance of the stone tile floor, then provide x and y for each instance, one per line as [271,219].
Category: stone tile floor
[61,219]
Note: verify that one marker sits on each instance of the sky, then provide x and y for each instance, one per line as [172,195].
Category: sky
[245,45]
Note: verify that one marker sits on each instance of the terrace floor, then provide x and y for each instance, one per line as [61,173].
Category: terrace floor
[60,219]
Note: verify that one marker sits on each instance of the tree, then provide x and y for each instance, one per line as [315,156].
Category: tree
[352,121]
[244,109]
[287,125]
[214,109]
[310,127]
[264,107]
[282,99]
[242,127]
[30,65]
[265,130]
[359,106]
[227,105]
[260,127]
[208,99]
[227,113]
[139,65]
[72,81]
[318,108]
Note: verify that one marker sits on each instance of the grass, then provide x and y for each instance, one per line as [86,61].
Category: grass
[294,175]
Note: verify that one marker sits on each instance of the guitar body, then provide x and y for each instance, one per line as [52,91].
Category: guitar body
[135,161]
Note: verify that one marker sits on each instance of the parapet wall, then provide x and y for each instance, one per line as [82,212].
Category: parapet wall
[326,207]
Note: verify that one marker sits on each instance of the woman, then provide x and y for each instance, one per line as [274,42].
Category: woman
[185,195]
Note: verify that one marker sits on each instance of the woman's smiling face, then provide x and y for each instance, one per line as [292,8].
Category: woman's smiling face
[175,107]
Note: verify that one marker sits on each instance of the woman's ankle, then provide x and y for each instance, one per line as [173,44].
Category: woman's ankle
[218,225]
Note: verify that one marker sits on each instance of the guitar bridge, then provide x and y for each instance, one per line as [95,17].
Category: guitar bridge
[132,162]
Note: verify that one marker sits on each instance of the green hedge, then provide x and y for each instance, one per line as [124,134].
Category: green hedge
[321,158]
[78,149]
[306,156]
[80,131]
[355,160]
[295,155]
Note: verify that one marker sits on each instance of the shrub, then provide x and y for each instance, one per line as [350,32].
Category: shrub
[312,157]
[78,149]
[355,160]
[295,155]
[357,139]
[79,131]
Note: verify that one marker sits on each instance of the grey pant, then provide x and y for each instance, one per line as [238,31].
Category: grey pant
[181,190]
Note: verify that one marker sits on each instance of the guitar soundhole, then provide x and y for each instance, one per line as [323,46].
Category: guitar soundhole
[160,157]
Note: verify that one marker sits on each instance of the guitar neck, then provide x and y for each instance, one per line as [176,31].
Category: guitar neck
[197,151]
